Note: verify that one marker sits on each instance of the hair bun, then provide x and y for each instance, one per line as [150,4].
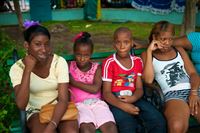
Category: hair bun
[86,35]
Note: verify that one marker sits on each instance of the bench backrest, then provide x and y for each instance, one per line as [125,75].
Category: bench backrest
[103,55]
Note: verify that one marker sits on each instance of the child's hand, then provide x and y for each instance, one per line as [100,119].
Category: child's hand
[126,99]
[131,109]
[194,103]
[29,62]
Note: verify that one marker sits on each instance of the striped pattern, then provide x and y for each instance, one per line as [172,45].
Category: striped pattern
[178,94]
[105,71]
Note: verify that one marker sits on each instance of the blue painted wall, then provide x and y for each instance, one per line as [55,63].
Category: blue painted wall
[40,10]
[107,15]
[67,14]
[11,18]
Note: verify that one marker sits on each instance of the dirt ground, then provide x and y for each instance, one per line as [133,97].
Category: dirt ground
[61,38]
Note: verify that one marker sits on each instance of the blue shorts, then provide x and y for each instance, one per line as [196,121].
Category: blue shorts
[178,94]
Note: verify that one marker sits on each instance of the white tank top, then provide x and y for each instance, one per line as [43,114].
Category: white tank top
[171,74]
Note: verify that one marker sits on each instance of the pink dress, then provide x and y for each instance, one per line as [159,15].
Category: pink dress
[90,106]
[79,95]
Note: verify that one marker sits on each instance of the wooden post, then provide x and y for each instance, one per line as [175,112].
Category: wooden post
[189,21]
[98,9]
[18,13]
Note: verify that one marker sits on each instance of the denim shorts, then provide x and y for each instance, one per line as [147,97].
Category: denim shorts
[178,94]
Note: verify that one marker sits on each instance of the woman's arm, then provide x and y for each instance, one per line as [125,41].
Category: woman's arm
[148,72]
[139,44]
[147,57]
[182,42]
[91,88]
[194,82]
[22,90]
[61,106]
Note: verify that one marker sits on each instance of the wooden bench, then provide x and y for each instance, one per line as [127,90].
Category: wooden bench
[152,93]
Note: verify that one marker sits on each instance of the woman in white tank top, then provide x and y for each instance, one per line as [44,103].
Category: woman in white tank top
[175,73]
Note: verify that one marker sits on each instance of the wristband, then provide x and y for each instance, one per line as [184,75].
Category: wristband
[194,90]
[193,93]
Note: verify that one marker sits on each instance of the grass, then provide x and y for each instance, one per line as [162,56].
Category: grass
[102,30]
[140,30]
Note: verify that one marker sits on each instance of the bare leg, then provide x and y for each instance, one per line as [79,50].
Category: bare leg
[68,126]
[108,127]
[177,114]
[34,124]
[87,128]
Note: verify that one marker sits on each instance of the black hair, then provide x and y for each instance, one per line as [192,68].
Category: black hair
[84,39]
[35,30]
[161,26]
[122,29]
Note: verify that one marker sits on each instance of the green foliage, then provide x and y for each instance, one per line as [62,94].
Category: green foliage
[7,105]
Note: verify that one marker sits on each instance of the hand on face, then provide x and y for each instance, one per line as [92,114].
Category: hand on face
[29,62]
[155,45]
[161,45]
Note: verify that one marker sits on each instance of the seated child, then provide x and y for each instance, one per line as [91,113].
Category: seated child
[123,88]
[172,69]
[85,86]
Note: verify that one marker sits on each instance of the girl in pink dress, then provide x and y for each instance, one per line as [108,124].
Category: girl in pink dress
[85,86]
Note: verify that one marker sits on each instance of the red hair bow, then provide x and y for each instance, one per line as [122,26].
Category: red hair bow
[77,36]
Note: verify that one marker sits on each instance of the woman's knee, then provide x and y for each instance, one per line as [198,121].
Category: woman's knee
[177,126]
[34,124]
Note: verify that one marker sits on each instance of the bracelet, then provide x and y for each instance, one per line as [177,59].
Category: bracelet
[194,90]
[195,94]
[54,123]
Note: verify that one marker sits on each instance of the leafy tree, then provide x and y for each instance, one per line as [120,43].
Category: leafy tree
[8,110]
